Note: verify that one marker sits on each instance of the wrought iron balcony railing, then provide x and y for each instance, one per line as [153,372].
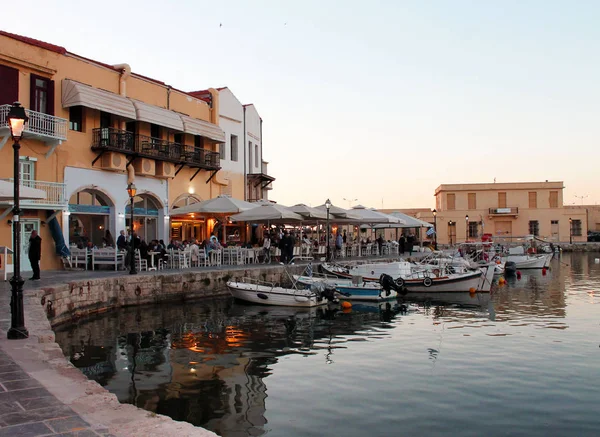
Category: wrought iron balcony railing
[55,193]
[504,211]
[47,128]
[115,140]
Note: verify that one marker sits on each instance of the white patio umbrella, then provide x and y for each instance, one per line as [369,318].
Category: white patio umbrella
[308,212]
[268,212]
[26,193]
[221,205]
[372,217]
[337,214]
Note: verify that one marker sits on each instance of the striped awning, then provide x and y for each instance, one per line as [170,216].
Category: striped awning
[157,115]
[78,94]
[204,128]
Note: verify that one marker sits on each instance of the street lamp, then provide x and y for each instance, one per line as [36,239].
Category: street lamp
[570,230]
[17,119]
[131,190]
[466,228]
[434,229]
[450,224]
[327,206]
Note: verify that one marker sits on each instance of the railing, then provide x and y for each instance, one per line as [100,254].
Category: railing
[39,124]
[504,211]
[55,192]
[125,142]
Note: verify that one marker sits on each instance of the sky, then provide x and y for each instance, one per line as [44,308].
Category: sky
[375,102]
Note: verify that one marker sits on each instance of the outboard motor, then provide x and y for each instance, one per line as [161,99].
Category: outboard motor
[510,268]
[329,293]
[388,283]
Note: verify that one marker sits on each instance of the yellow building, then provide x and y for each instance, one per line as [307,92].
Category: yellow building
[507,210]
[88,122]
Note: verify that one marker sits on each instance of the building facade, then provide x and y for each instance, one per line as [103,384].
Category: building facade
[508,211]
[92,128]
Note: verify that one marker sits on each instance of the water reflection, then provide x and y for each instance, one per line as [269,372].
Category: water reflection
[209,363]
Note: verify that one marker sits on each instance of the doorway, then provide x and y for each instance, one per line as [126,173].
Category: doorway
[554,230]
[503,229]
[27,227]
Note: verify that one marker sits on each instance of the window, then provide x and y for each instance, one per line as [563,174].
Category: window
[452,231]
[234,147]
[472,201]
[451,200]
[553,222]
[178,138]
[532,200]
[249,156]
[199,141]
[473,229]
[76,118]
[155,131]
[27,171]
[501,200]
[256,155]
[576,230]
[41,94]
[553,199]
[9,91]
[534,228]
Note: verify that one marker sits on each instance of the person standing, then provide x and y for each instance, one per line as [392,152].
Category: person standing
[402,243]
[35,254]
[411,242]
[267,249]
[121,241]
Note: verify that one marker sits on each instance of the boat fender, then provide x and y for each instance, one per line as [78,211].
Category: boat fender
[436,272]
[427,282]
[301,298]
[262,296]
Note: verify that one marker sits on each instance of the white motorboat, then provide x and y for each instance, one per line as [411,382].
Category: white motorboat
[267,293]
[368,272]
[366,291]
[524,260]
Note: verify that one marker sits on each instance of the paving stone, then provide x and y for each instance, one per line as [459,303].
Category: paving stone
[14,376]
[34,404]
[36,415]
[83,433]
[20,385]
[27,430]
[7,407]
[68,424]
[21,395]
[9,368]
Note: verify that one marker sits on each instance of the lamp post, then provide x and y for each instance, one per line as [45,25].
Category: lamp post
[17,119]
[327,206]
[450,223]
[434,229]
[131,190]
[570,230]
[466,228]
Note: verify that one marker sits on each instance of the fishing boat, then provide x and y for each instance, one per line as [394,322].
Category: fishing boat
[267,293]
[368,272]
[442,281]
[366,291]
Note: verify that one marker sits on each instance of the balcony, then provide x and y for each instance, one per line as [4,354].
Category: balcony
[512,211]
[55,195]
[47,128]
[114,140]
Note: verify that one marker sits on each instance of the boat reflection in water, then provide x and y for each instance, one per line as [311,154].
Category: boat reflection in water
[207,363]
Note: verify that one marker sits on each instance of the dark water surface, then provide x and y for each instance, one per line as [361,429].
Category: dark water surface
[523,361]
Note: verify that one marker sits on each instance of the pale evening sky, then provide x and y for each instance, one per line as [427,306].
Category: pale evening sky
[379,101]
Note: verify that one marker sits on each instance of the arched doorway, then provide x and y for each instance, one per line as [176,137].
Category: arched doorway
[187,226]
[145,216]
[90,211]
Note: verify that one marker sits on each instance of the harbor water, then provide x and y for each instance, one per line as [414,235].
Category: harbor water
[523,360]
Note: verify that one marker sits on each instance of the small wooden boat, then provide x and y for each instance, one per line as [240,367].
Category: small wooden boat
[267,293]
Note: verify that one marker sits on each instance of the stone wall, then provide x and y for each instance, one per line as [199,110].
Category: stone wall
[77,299]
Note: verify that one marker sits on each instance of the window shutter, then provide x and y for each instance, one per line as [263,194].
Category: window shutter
[9,91]
[50,106]
[32,78]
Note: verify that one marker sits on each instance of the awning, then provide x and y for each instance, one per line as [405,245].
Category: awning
[79,94]
[157,115]
[204,128]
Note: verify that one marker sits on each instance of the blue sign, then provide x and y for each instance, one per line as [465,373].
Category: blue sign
[89,209]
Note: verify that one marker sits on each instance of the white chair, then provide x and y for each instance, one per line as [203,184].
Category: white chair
[215,257]
[142,264]
[249,257]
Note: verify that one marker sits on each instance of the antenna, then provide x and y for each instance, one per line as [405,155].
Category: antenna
[581,197]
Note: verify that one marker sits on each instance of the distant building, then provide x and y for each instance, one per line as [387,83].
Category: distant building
[507,210]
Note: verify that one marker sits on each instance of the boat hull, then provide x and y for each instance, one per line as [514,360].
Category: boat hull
[530,261]
[446,284]
[365,293]
[279,296]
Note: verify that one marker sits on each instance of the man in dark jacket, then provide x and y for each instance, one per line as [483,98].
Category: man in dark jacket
[35,253]
[122,241]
